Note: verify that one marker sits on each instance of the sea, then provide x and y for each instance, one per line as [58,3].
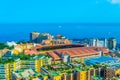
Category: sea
[21,31]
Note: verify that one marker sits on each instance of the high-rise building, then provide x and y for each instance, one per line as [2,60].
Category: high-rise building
[17,64]
[98,42]
[81,75]
[34,37]
[112,43]
[5,71]
[107,73]
[94,42]
[38,64]
[103,42]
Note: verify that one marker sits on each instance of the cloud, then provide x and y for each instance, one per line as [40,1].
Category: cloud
[114,1]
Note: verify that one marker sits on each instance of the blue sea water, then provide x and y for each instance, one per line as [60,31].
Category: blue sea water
[17,32]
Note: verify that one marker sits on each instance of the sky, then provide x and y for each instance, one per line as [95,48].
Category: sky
[59,11]
[20,17]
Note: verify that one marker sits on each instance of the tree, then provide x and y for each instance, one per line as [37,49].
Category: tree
[3,45]
[10,47]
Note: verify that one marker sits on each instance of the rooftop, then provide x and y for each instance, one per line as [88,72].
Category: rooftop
[53,55]
[57,69]
[77,52]
[79,69]
[97,78]
[23,73]
[99,60]
[30,52]
[54,73]
[81,51]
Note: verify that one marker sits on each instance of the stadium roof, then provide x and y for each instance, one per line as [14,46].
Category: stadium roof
[77,52]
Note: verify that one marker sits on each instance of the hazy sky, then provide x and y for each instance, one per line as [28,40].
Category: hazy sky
[59,11]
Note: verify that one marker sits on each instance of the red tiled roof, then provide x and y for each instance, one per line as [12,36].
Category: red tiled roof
[82,51]
[30,52]
[73,52]
[53,55]
[104,49]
